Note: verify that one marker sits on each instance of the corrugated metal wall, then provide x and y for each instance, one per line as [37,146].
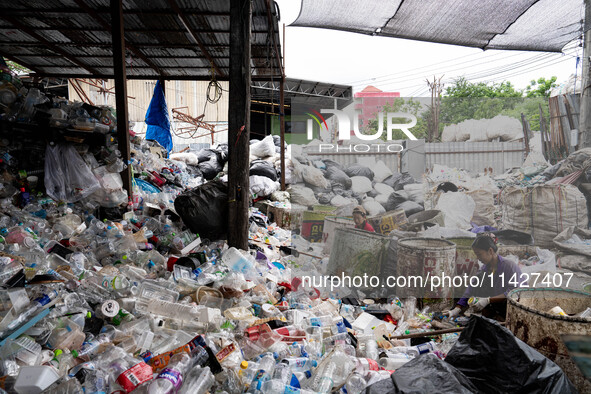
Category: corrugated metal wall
[474,157]
[191,94]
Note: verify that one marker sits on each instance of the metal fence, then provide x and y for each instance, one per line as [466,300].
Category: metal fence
[475,157]
[345,158]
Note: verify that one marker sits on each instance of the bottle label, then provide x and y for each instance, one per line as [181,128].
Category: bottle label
[373,364]
[134,376]
[173,377]
[225,352]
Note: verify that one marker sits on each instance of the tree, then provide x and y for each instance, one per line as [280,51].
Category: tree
[468,100]
[16,68]
[409,106]
[541,87]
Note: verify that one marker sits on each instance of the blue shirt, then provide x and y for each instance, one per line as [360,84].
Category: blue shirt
[506,272]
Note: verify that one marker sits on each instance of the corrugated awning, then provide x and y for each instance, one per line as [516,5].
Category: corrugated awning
[531,25]
[170,39]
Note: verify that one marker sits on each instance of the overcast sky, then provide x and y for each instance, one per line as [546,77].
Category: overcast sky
[398,65]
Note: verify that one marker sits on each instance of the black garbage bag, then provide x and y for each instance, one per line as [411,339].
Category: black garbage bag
[263,168]
[410,207]
[424,374]
[211,168]
[325,198]
[394,200]
[498,362]
[336,175]
[372,193]
[405,179]
[392,180]
[513,237]
[358,170]
[206,155]
[317,189]
[331,163]
[204,209]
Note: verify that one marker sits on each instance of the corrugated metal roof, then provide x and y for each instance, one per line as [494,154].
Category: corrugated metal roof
[33,32]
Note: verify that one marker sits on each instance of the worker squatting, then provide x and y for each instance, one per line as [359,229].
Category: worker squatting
[434,282]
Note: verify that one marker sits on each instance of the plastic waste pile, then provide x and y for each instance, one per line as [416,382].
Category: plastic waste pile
[143,305]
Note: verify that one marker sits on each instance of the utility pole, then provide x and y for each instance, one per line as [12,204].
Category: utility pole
[436,87]
[239,123]
[585,117]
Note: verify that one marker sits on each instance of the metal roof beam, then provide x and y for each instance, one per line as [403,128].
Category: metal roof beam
[19,12]
[91,12]
[91,29]
[139,45]
[152,77]
[193,35]
[16,60]
[46,43]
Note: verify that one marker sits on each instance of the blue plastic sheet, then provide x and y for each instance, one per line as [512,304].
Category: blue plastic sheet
[158,120]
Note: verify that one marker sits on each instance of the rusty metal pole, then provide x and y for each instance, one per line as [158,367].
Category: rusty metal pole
[119,69]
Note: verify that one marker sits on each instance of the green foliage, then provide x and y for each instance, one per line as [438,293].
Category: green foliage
[401,105]
[16,68]
[466,100]
[541,87]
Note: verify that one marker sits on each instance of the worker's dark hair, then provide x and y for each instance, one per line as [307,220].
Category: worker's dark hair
[485,242]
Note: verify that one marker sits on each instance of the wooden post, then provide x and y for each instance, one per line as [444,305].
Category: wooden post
[282,128]
[239,123]
[118,39]
[585,116]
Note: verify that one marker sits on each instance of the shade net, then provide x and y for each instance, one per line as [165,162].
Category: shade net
[533,25]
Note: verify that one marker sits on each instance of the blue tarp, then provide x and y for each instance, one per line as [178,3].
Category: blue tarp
[158,120]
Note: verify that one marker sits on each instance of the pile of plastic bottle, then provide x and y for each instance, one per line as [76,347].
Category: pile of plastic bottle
[141,305]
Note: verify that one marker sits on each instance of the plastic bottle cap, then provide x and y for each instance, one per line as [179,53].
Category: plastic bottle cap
[244,364]
[58,352]
[75,353]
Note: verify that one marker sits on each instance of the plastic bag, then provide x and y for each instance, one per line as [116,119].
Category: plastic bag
[392,180]
[381,171]
[67,177]
[204,209]
[263,168]
[360,184]
[424,374]
[337,176]
[314,177]
[498,362]
[415,192]
[358,170]
[458,209]
[211,168]
[409,207]
[373,208]
[186,157]
[394,200]
[262,186]
[264,148]
[405,179]
[547,262]
[302,195]
[382,188]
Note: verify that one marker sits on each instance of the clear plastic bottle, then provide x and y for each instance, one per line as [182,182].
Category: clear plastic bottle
[355,384]
[92,347]
[34,307]
[323,380]
[170,379]
[299,364]
[265,372]
[198,381]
